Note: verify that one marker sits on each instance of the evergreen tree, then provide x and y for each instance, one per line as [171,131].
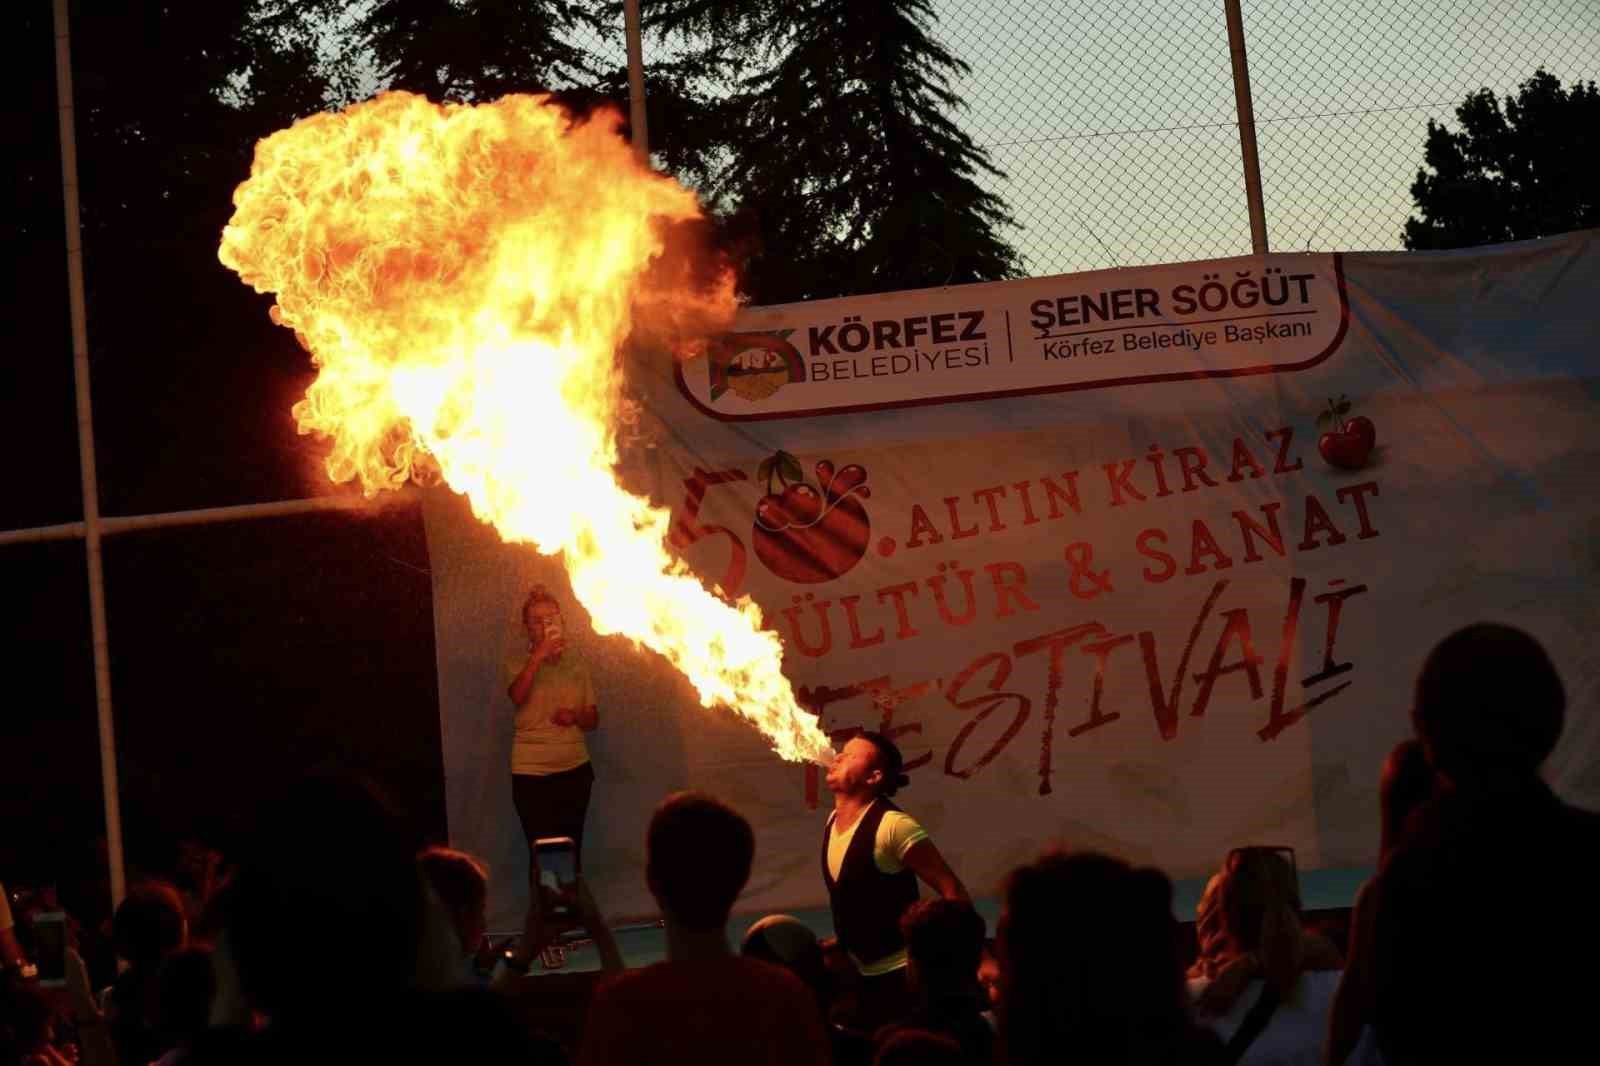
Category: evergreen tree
[479,50]
[1529,170]
[845,163]
[171,98]
[484,49]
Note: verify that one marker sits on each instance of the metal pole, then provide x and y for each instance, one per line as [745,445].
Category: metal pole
[91,493]
[205,516]
[636,119]
[275,509]
[65,531]
[1247,127]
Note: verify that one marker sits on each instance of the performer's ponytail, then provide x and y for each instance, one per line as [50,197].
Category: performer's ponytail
[890,762]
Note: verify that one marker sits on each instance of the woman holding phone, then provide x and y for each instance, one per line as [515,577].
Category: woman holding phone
[549,687]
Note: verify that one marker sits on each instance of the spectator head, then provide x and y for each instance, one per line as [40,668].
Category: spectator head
[185,985]
[1252,907]
[944,941]
[462,884]
[788,942]
[1090,962]
[917,1047]
[328,855]
[1488,703]
[149,924]
[870,765]
[698,853]
[1405,784]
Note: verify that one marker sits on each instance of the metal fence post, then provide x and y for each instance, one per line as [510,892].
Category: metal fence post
[91,492]
[1247,127]
[636,115]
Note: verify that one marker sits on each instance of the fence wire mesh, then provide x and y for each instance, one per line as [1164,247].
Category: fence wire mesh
[1344,92]
[1117,130]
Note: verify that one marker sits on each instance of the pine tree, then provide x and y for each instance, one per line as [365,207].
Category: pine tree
[844,159]
[480,50]
[483,49]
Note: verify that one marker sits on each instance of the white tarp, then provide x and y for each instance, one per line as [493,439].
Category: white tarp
[1072,541]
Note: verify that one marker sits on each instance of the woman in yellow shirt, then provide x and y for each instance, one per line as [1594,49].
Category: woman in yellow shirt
[549,686]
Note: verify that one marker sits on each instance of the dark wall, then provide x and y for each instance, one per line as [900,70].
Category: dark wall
[246,653]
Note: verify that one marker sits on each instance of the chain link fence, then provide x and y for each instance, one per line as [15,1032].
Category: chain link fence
[1117,129]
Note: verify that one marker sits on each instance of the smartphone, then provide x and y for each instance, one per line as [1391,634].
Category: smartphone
[50,948]
[558,861]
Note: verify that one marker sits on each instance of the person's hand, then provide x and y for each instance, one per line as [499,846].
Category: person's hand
[79,992]
[488,951]
[604,941]
[989,976]
[565,717]
[1224,989]
[536,935]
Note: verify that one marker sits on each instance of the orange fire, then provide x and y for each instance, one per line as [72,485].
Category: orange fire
[464,277]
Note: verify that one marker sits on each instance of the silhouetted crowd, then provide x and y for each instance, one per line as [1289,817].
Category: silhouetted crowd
[331,939]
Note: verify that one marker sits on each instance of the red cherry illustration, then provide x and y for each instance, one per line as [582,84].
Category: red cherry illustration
[1343,449]
[1362,427]
[1351,440]
[852,478]
[796,507]
[807,535]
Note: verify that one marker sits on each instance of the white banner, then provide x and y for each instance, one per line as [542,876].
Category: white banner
[1113,328]
[1080,545]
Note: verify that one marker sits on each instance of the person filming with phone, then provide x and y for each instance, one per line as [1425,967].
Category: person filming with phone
[551,777]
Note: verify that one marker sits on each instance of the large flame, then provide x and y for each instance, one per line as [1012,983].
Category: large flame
[464,277]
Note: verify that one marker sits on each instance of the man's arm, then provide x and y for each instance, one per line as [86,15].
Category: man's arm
[94,1038]
[10,949]
[924,860]
[595,924]
[1352,1005]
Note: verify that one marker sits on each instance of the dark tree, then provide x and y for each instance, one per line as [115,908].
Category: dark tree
[479,50]
[1527,170]
[845,165]
[483,49]
[171,99]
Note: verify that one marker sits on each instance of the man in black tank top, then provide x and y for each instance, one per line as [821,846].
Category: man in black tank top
[872,856]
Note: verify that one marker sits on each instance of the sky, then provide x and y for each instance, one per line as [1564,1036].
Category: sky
[1116,127]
